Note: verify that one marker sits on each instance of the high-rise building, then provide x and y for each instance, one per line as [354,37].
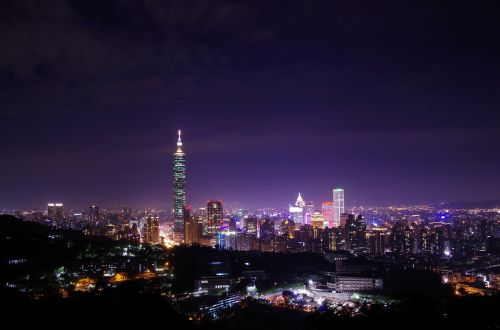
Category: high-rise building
[266,230]
[151,229]
[343,219]
[93,213]
[377,241]
[192,227]
[297,215]
[355,229]
[215,217]
[338,205]
[327,211]
[227,240]
[250,225]
[297,211]
[317,220]
[401,238]
[332,239]
[309,210]
[55,211]
[179,189]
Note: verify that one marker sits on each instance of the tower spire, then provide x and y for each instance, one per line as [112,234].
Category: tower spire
[179,141]
[300,202]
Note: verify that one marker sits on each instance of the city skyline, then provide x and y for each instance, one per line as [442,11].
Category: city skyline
[180,201]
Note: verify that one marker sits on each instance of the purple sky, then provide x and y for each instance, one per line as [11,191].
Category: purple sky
[395,102]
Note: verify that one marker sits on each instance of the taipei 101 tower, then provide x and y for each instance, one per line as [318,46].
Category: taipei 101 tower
[179,189]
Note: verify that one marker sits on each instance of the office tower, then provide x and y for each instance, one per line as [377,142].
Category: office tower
[51,210]
[424,240]
[343,219]
[151,230]
[377,241]
[317,220]
[226,240]
[179,189]
[193,228]
[361,234]
[402,238]
[332,239]
[55,212]
[338,205]
[201,218]
[355,230]
[350,232]
[266,230]
[309,210]
[134,234]
[214,217]
[93,213]
[327,211]
[297,215]
[297,211]
[250,225]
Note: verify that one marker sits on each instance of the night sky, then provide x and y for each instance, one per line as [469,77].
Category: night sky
[395,101]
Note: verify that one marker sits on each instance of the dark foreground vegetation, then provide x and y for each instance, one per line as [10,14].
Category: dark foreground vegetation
[138,304]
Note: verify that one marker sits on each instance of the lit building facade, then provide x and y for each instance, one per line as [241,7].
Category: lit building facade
[151,233]
[251,225]
[354,283]
[309,210]
[179,189]
[297,211]
[338,205]
[377,241]
[192,227]
[317,220]
[215,217]
[327,212]
[226,240]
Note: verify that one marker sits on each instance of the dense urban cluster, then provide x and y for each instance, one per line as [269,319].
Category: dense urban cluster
[216,262]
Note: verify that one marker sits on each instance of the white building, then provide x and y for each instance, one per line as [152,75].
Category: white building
[338,205]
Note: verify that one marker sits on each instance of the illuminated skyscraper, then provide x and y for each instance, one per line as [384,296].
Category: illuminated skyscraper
[179,189]
[297,211]
[338,205]
[356,234]
[192,228]
[214,217]
[309,210]
[376,241]
[327,211]
[151,230]
[297,215]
